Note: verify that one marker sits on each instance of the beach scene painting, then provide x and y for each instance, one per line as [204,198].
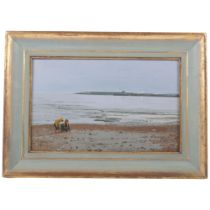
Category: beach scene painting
[105,105]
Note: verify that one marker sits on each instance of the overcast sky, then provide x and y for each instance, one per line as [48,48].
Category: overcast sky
[105,75]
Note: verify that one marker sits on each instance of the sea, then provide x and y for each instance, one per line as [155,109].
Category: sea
[105,109]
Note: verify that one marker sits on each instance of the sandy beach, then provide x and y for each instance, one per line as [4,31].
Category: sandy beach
[107,138]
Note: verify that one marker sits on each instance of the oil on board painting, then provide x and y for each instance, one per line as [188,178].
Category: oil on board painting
[105,105]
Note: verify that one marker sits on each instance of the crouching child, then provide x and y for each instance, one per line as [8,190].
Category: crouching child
[65,126]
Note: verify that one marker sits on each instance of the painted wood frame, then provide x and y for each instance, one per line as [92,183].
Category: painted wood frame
[188,48]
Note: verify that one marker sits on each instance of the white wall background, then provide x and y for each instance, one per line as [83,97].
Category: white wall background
[104,15]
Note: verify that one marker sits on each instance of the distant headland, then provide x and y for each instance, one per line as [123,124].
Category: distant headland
[124,93]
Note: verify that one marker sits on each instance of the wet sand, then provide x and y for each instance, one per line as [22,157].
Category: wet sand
[87,137]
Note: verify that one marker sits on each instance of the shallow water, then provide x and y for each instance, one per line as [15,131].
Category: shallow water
[100,109]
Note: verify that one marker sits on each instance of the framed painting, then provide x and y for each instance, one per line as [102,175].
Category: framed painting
[90,104]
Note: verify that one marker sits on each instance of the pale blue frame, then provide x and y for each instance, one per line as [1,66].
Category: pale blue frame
[19,161]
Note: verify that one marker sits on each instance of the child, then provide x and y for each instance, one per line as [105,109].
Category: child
[57,123]
[66,125]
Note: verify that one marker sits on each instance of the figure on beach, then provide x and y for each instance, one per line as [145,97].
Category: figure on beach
[61,124]
[57,123]
[65,126]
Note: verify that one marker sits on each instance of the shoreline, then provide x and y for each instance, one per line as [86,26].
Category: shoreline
[112,127]
[95,137]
